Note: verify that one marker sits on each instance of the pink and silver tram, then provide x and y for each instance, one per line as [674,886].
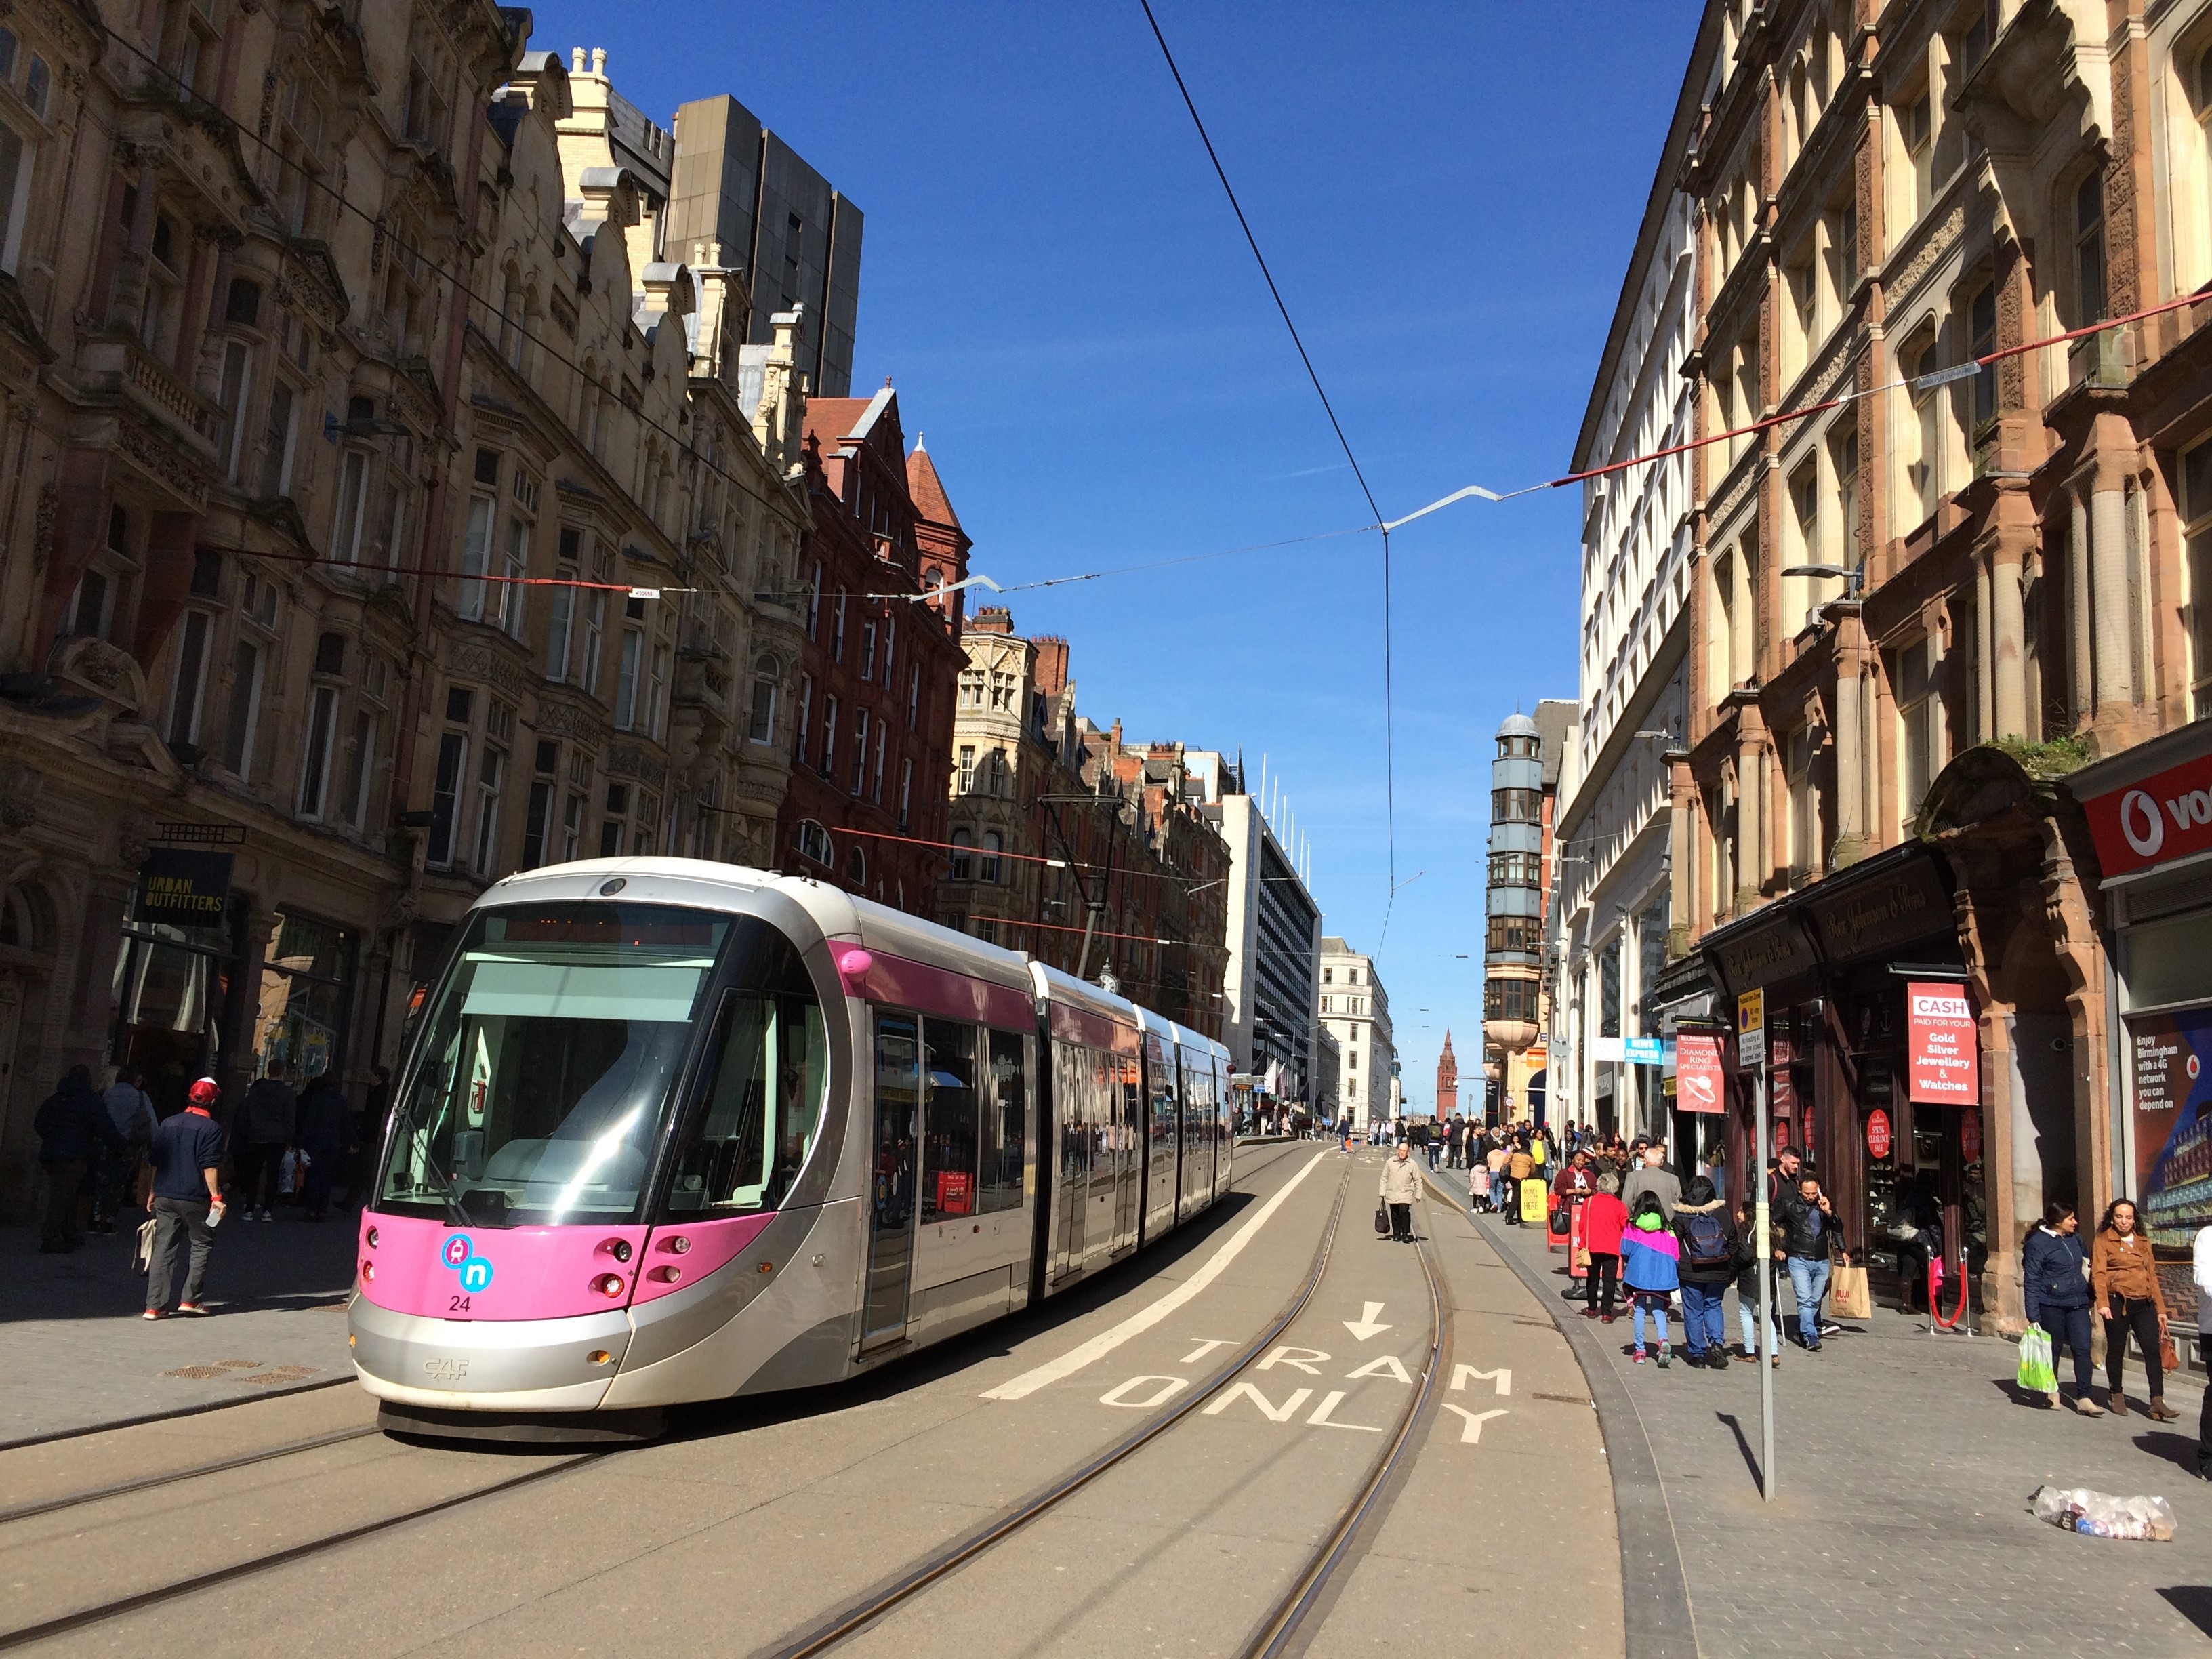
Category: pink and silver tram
[670,1131]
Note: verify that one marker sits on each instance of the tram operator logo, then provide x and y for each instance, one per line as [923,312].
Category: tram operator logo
[459,1253]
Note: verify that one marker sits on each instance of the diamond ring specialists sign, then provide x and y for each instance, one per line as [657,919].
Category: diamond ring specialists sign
[1700,1076]
[1945,1044]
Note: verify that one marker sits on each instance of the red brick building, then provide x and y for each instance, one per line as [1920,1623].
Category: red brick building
[872,743]
[1136,862]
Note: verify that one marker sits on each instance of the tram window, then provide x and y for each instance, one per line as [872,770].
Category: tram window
[547,1062]
[948,1121]
[1005,1117]
[1072,1091]
[762,1106]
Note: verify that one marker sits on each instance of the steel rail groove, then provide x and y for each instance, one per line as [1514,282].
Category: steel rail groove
[144,1483]
[852,1619]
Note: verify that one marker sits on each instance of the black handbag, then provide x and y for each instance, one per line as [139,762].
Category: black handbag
[1382,1220]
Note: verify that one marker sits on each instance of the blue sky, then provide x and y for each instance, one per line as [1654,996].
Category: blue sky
[1053,278]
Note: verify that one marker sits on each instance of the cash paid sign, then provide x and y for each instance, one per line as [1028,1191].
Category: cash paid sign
[1946,1050]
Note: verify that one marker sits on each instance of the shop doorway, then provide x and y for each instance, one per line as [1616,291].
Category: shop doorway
[171,989]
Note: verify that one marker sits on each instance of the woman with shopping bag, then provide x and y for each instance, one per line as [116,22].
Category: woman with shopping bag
[2054,1273]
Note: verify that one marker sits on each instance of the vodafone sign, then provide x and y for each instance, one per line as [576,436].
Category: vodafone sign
[2164,816]
[1945,1044]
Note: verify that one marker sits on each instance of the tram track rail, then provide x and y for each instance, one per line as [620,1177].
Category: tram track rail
[1285,1626]
[191,1472]
[119,1606]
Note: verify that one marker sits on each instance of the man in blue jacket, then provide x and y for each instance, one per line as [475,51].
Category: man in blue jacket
[2055,1284]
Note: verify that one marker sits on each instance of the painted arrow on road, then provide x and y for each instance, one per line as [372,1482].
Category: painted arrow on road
[1365,1325]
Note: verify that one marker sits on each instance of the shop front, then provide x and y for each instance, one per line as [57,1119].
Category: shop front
[178,971]
[2150,815]
[1844,965]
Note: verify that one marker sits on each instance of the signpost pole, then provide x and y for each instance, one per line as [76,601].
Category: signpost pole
[1763,1238]
[1751,1050]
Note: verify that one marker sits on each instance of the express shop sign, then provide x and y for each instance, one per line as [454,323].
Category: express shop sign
[2164,816]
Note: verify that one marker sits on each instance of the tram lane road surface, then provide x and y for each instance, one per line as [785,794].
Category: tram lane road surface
[1187,1545]
[1499,1529]
[758,1517]
[60,1468]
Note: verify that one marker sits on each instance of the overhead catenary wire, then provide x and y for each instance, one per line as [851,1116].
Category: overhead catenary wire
[1390,756]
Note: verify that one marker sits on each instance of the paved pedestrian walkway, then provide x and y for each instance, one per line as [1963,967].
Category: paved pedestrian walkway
[77,1353]
[1904,1463]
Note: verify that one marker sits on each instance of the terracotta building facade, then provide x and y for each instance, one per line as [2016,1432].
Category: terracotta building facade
[1919,607]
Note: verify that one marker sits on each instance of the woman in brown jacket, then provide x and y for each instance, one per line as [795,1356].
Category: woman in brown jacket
[2123,1283]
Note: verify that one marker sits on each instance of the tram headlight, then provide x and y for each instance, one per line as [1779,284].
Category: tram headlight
[679,1244]
[372,1238]
[369,1270]
[608,1284]
[617,1247]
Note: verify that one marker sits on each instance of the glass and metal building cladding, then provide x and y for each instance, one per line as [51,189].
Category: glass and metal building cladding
[1513,946]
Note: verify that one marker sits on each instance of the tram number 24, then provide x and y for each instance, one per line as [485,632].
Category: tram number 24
[457,1305]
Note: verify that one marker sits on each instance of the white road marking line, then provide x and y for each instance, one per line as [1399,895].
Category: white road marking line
[1329,1403]
[1054,1371]
[1463,1375]
[1472,1434]
[1206,1345]
[1384,1365]
[1364,1326]
[1118,1395]
[1298,1397]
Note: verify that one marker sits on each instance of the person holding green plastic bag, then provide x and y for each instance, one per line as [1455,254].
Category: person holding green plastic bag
[2055,1284]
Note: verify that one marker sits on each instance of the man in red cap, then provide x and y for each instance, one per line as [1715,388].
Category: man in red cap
[186,1155]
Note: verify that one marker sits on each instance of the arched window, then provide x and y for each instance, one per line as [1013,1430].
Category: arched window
[990,860]
[856,869]
[963,863]
[813,842]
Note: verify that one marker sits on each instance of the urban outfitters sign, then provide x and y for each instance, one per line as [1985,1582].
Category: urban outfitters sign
[1945,1044]
[183,889]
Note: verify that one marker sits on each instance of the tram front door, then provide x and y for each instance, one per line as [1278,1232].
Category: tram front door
[891,1226]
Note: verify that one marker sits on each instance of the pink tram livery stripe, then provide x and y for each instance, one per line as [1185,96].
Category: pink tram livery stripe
[437,1271]
[909,984]
[677,1257]
[1072,1025]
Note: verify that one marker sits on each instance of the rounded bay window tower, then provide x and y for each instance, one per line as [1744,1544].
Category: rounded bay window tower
[1513,947]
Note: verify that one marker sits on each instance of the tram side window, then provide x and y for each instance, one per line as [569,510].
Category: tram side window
[1005,1120]
[1072,1091]
[949,1120]
[763,1107]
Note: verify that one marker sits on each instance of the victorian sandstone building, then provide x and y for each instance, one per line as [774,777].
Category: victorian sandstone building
[1914,612]
[325,332]
[1094,855]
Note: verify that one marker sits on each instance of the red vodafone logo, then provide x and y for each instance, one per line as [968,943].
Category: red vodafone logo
[2166,815]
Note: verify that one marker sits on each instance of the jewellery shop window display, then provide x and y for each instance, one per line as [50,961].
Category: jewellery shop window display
[172,993]
[305,997]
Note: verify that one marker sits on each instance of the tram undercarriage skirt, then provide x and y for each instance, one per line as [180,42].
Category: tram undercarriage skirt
[526,1428]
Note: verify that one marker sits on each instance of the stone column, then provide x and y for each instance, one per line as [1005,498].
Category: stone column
[125,311]
[1850,843]
[1750,808]
[2007,645]
[1984,650]
[1682,805]
[2108,577]
[91,1016]
[2078,650]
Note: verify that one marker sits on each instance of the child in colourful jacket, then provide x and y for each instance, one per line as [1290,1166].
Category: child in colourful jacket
[1650,1268]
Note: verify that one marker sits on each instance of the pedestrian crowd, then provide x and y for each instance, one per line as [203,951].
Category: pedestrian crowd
[109,1152]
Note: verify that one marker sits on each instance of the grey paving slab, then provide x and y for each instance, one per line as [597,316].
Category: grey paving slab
[76,1352]
[1903,1465]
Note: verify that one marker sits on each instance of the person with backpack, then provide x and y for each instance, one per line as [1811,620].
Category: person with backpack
[1604,1218]
[1650,1267]
[1713,1250]
[1519,1167]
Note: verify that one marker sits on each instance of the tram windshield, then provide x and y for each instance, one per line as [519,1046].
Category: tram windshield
[543,1073]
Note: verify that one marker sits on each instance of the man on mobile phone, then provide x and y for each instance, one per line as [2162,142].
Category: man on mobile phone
[186,1155]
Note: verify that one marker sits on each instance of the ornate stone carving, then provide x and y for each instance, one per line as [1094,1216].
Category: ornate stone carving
[268,104]
[19,788]
[184,476]
[478,659]
[628,761]
[1939,241]
[134,838]
[42,540]
[105,670]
